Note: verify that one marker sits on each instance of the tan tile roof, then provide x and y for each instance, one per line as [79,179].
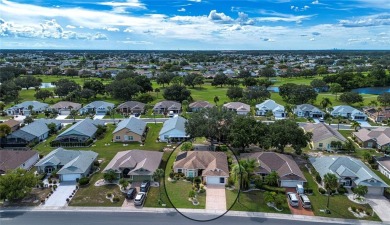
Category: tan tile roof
[11,122]
[322,131]
[284,165]
[212,163]
[381,135]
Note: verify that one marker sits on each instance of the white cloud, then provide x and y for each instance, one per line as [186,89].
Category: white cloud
[195,0]
[312,39]
[381,4]
[99,36]
[128,30]
[137,42]
[316,2]
[70,27]
[243,18]
[127,4]
[367,21]
[215,16]
[112,29]
[297,9]
[181,10]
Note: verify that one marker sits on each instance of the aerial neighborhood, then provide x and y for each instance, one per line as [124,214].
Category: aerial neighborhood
[302,133]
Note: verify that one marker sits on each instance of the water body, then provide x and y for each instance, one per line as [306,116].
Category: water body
[372,90]
[47,85]
[273,89]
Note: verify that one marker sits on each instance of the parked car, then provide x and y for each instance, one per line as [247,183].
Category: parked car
[131,193]
[305,201]
[145,186]
[139,199]
[292,199]
[299,188]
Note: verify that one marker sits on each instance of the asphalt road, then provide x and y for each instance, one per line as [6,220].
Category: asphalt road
[119,218]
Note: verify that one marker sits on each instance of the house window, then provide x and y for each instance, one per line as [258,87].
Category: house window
[320,145]
[117,137]
[130,138]
[179,170]
[166,136]
[221,180]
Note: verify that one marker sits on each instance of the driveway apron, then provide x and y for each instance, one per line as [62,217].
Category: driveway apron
[381,206]
[58,198]
[215,197]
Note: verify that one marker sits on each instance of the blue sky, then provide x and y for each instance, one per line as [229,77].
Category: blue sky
[195,24]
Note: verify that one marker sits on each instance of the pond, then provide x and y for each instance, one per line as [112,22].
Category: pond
[47,85]
[372,90]
[273,89]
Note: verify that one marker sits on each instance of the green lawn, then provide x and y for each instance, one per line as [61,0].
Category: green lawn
[252,201]
[338,205]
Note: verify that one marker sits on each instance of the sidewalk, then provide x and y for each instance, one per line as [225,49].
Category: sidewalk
[195,211]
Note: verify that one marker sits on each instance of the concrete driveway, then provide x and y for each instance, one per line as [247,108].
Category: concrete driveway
[381,206]
[215,197]
[298,210]
[96,117]
[129,204]
[64,190]
[364,124]
[61,117]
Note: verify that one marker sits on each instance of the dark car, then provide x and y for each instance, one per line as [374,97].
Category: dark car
[145,186]
[139,199]
[131,193]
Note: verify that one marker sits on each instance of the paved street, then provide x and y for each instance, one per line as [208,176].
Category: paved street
[126,218]
[381,206]
[216,197]
[58,198]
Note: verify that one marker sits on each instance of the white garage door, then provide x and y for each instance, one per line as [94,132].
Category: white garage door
[70,177]
[65,112]
[290,183]
[375,191]
[213,180]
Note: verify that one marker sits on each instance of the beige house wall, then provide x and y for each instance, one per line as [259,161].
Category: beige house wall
[325,143]
[123,132]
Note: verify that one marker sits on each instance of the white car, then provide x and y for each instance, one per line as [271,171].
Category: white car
[305,201]
[292,199]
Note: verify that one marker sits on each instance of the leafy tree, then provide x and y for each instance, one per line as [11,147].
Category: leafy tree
[123,89]
[71,72]
[16,184]
[219,79]
[349,146]
[297,93]
[110,176]
[233,82]
[199,80]
[29,81]
[186,146]
[267,72]
[9,90]
[87,93]
[73,114]
[384,99]
[336,144]
[96,86]
[335,89]
[367,156]
[157,175]
[144,98]
[43,94]
[124,183]
[52,128]
[28,120]
[56,71]
[272,179]
[176,93]
[319,85]
[65,87]
[355,125]
[275,198]
[287,132]
[249,81]
[244,74]
[330,183]
[351,97]
[164,78]
[189,79]
[325,102]
[234,93]
[360,191]
[216,100]
[256,93]
[239,174]
[4,130]
[157,90]
[125,74]
[144,83]
[322,70]
[264,82]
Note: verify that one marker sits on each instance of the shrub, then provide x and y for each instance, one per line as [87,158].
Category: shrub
[197,180]
[171,175]
[191,194]
[308,191]
[54,181]
[321,190]
[67,200]
[189,178]
[115,199]
[353,208]
[374,166]
[109,195]
[230,181]
[96,163]
[341,190]
[318,178]
[50,181]
[277,190]
[55,187]
[202,190]
[84,181]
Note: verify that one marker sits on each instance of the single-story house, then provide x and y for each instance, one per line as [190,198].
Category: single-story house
[348,112]
[377,115]
[138,165]
[350,172]
[165,107]
[97,107]
[288,170]
[128,130]
[36,131]
[307,110]
[373,138]
[22,108]
[270,106]
[13,124]
[211,166]
[71,164]
[238,107]
[384,165]
[173,130]
[132,107]
[323,136]
[13,159]
[79,134]
[64,107]
[199,105]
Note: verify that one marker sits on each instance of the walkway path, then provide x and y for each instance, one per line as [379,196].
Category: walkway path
[215,197]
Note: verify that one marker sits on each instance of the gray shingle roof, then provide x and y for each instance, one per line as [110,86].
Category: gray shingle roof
[133,124]
[270,105]
[85,127]
[169,105]
[73,161]
[347,166]
[307,107]
[239,106]
[35,129]
[26,104]
[322,131]
[132,105]
[149,161]
[176,122]
[99,104]
[201,104]
[65,105]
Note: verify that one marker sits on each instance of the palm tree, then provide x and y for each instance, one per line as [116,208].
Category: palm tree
[339,118]
[73,114]
[239,173]
[331,183]
[272,178]
[157,175]
[185,104]
[373,103]
[289,109]
[216,100]
[355,125]
[30,108]
[325,103]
